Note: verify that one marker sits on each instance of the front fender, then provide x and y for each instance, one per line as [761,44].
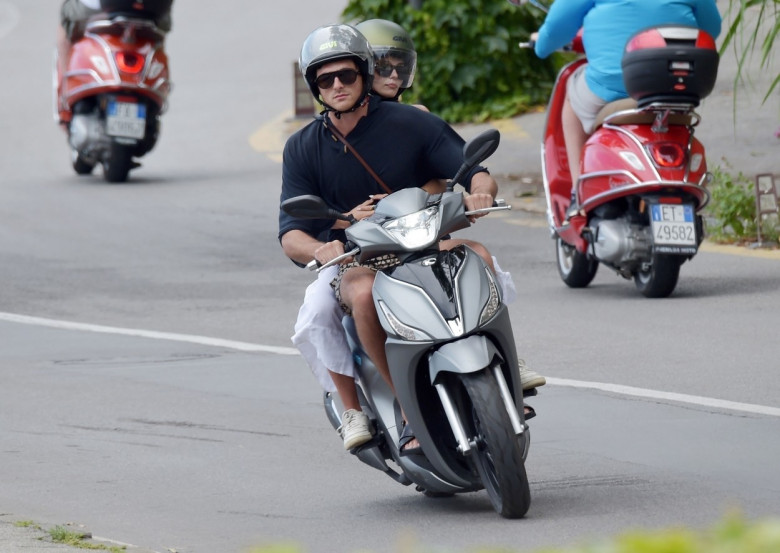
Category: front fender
[468,355]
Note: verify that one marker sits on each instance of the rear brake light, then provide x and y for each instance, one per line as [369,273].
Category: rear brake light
[666,154]
[129,62]
[705,40]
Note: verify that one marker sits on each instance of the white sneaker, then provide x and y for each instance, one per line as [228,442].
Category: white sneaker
[354,428]
[528,378]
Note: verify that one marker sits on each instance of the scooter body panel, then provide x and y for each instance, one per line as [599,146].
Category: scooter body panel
[555,164]
[446,298]
[93,69]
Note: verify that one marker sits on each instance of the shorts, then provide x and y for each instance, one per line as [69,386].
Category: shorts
[584,102]
[319,335]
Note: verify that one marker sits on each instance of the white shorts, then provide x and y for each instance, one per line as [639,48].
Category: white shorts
[584,102]
[320,337]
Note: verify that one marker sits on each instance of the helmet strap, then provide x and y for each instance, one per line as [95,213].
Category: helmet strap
[359,104]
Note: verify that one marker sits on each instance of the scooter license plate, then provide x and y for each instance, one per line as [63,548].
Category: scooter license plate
[125,119]
[673,228]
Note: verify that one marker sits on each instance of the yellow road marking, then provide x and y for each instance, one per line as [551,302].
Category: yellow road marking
[739,250]
[270,138]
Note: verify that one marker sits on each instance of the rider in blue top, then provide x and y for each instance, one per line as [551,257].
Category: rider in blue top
[607,25]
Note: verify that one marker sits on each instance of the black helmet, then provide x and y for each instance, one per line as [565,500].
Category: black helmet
[147,8]
[388,39]
[331,43]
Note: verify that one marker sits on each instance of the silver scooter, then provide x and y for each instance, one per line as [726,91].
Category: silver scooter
[449,346]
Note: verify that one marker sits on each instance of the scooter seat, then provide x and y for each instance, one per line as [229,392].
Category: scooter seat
[626,112]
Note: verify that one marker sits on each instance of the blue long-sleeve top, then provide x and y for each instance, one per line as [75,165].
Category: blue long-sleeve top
[608,24]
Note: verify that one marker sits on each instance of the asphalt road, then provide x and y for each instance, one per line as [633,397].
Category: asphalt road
[150,394]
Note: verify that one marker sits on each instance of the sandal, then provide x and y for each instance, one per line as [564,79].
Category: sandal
[407,435]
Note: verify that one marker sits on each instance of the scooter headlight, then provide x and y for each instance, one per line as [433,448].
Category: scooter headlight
[416,230]
[493,302]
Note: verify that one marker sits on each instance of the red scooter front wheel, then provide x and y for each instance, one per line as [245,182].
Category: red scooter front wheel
[577,269]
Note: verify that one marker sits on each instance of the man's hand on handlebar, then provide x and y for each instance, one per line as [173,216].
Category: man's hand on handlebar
[328,251]
[477,201]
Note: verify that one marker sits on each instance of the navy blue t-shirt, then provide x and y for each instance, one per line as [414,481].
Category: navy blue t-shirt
[405,146]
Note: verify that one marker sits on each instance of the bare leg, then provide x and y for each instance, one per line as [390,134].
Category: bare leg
[574,136]
[476,246]
[356,294]
[63,48]
[345,386]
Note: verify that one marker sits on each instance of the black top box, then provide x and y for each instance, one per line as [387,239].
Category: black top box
[670,64]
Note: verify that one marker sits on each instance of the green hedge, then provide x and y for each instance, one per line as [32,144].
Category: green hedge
[731,213]
[470,68]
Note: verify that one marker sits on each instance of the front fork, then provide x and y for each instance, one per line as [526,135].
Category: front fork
[465,445]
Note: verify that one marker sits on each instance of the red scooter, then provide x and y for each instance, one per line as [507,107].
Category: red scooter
[643,175]
[113,91]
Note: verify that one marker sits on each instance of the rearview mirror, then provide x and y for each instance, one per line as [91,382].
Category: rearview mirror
[475,151]
[310,207]
[481,147]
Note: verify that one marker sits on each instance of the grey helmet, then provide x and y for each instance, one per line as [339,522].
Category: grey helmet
[389,39]
[335,42]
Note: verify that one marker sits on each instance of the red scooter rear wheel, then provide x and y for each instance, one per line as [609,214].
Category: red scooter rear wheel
[660,280]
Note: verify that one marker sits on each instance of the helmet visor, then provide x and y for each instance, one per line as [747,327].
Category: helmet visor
[402,63]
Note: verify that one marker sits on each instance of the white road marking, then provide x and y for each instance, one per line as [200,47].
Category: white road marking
[245,346]
[668,396]
[202,340]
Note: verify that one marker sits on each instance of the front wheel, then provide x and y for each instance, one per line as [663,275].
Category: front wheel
[660,279]
[577,269]
[499,455]
[80,165]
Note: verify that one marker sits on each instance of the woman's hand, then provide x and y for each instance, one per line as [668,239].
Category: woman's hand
[360,211]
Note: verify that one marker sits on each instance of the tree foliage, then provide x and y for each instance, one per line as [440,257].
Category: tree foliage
[469,65]
[759,34]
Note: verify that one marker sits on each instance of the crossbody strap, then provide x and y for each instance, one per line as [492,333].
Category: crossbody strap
[342,138]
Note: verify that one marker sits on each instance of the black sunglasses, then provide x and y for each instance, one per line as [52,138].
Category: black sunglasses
[386,69]
[345,76]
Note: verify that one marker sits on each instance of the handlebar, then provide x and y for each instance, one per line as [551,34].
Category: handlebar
[488,210]
[498,205]
[314,265]
[531,44]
